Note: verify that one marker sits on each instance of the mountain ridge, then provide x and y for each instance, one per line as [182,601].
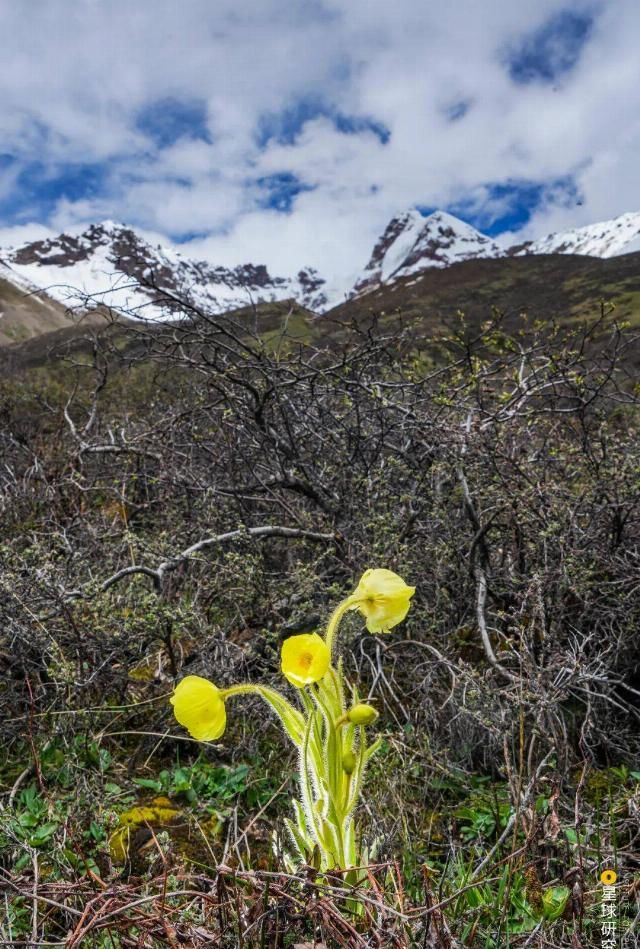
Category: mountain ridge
[619,235]
[111,266]
[412,242]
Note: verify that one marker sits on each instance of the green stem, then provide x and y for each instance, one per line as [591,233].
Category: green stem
[292,721]
[334,753]
[334,622]
[337,680]
[306,786]
[315,739]
[356,777]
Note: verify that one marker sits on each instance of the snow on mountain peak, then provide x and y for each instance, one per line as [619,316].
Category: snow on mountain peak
[110,265]
[621,235]
[445,240]
[108,225]
[411,243]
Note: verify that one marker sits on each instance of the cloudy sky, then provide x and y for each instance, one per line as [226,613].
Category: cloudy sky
[290,131]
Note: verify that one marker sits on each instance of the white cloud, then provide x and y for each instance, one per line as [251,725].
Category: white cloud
[23,233]
[74,75]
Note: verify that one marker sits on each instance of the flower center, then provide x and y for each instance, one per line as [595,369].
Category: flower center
[305,661]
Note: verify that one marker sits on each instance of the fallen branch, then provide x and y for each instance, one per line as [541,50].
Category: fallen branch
[158,574]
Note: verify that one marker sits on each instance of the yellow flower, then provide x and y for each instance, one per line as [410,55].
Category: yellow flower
[305,659]
[383,598]
[199,706]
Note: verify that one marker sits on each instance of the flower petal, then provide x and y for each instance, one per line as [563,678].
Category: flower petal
[199,706]
[305,659]
[383,598]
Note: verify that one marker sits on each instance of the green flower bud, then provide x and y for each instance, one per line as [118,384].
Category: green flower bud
[348,762]
[362,714]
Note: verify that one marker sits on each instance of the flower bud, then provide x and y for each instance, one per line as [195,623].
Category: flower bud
[348,762]
[362,714]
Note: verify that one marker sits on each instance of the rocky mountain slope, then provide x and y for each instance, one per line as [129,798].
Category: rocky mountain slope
[527,291]
[411,243]
[605,239]
[25,313]
[109,265]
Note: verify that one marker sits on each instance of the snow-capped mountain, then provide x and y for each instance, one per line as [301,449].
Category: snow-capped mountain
[411,243]
[605,239]
[110,265]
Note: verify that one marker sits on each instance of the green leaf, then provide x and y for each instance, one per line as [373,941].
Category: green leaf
[22,862]
[554,901]
[43,834]
[181,781]
[301,819]
[72,857]
[52,757]
[301,843]
[96,831]
[150,783]
[542,805]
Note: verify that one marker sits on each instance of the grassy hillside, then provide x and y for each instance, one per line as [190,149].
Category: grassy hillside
[558,287]
[561,287]
[27,315]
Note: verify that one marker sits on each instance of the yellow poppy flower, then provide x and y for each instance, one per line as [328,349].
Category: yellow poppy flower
[383,598]
[199,706]
[305,659]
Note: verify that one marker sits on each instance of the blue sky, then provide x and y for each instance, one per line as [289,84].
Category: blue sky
[289,133]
